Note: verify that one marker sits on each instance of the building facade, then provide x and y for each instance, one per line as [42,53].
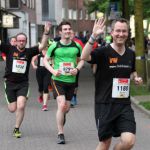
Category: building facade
[32,15]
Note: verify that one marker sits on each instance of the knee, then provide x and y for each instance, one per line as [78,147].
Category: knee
[64,108]
[128,142]
[12,109]
[21,107]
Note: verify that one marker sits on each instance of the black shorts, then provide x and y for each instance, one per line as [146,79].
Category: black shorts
[63,88]
[13,90]
[114,119]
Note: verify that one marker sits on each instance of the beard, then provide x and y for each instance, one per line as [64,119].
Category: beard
[21,48]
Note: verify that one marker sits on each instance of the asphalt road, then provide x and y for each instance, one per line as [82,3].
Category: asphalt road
[39,128]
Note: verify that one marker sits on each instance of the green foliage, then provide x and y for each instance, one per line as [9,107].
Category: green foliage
[136,90]
[145,104]
[103,5]
[97,5]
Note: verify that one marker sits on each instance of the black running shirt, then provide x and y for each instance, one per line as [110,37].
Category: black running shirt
[18,63]
[112,68]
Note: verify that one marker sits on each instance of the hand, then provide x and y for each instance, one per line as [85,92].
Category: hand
[35,67]
[47,27]
[138,80]
[74,71]
[99,27]
[57,73]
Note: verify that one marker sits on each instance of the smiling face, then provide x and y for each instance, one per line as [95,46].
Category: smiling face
[120,33]
[65,32]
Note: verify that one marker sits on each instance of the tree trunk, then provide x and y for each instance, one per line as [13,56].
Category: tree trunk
[125,9]
[139,38]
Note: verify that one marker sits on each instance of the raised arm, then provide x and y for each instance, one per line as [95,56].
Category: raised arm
[45,36]
[98,29]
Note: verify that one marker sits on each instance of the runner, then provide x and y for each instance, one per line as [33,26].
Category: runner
[18,59]
[43,77]
[115,65]
[65,54]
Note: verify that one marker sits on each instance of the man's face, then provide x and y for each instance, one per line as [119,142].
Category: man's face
[120,33]
[66,32]
[21,41]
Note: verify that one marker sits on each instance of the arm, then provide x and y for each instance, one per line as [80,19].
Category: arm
[45,36]
[49,67]
[78,67]
[98,28]
[33,62]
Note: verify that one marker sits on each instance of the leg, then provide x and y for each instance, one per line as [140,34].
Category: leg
[63,108]
[12,107]
[45,91]
[45,101]
[127,141]
[104,145]
[39,78]
[21,103]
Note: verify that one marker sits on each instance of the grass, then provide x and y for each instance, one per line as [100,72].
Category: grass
[137,90]
[146,104]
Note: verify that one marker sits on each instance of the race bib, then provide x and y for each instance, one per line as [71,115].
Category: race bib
[65,67]
[41,62]
[120,88]
[19,66]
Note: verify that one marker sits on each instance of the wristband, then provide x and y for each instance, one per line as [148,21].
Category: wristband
[90,43]
[93,39]
[47,33]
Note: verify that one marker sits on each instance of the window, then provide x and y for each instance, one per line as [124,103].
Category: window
[45,9]
[86,15]
[13,3]
[70,13]
[81,14]
[92,15]
[74,14]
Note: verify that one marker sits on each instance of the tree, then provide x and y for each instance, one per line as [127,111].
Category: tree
[97,5]
[139,37]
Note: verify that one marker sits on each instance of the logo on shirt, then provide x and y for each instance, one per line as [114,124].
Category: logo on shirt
[113,60]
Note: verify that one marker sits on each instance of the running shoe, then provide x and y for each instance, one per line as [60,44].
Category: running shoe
[17,133]
[44,108]
[61,139]
[40,99]
[73,101]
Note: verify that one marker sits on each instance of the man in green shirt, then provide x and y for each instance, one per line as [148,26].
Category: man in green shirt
[65,53]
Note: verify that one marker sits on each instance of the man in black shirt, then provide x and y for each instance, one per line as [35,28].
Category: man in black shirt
[18,59]
[115,67]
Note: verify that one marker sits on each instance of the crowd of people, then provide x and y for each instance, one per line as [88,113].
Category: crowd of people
[58,64]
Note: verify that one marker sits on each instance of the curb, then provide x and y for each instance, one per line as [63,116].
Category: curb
[140,107]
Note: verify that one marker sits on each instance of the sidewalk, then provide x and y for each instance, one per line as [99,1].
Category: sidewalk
[137,99]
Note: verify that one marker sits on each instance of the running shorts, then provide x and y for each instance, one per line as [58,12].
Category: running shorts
[13,90]
[112,119]
[63,88]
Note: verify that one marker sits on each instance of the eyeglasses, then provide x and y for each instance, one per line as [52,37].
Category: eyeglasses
[21,40]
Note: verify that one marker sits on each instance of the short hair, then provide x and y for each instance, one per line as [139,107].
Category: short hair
[63,23]
[13,37]
[21,33]
[122,20]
